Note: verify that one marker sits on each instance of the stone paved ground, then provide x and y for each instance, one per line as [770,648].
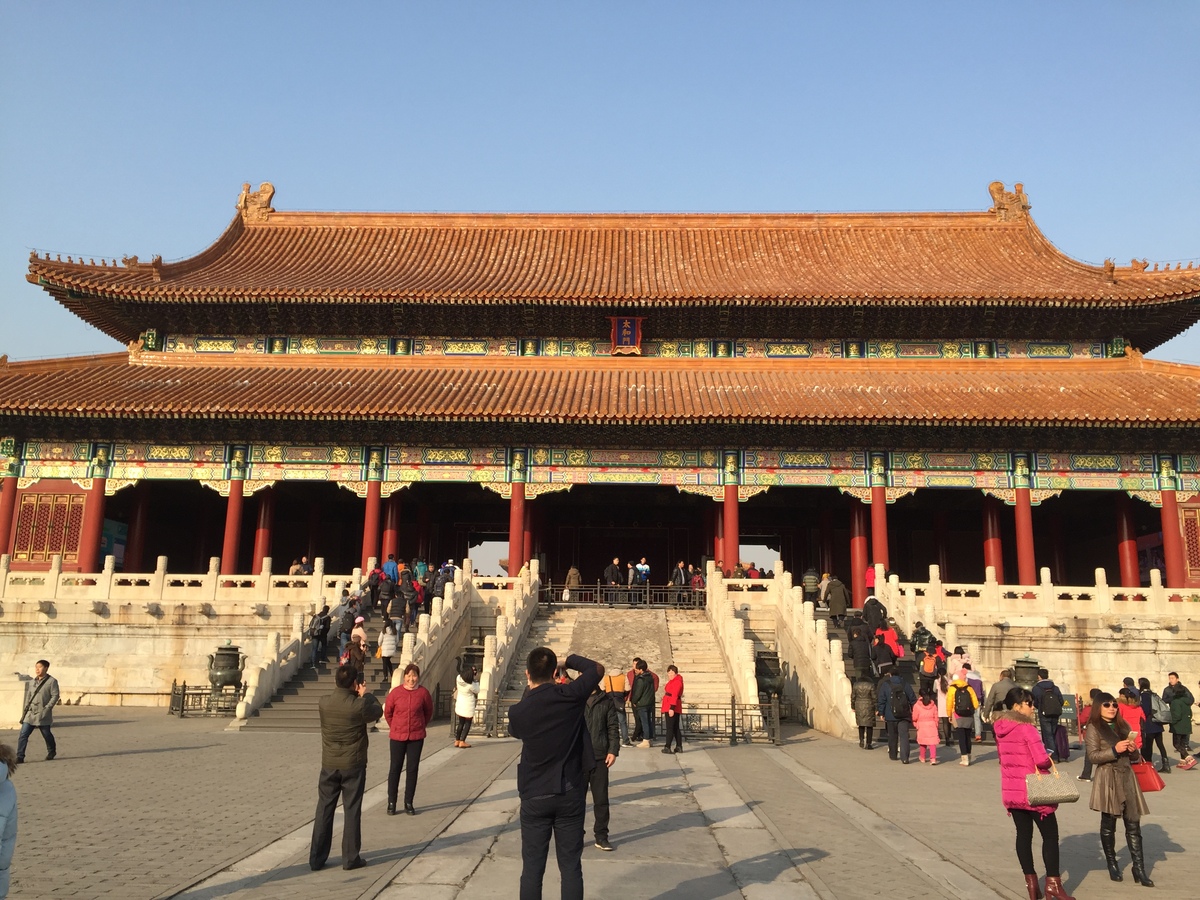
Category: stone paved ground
[142,805]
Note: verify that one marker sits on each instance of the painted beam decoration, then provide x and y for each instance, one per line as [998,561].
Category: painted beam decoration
[627,338]
[998,473]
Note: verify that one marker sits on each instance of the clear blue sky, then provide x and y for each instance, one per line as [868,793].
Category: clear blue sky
[128,128]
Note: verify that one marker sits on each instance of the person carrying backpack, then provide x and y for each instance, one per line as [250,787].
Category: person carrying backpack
[929,668]
[318,633]
[961,703]
[374,579]
[896,699]
[1049,702]
[1158,715]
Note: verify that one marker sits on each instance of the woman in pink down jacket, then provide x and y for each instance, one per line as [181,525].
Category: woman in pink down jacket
[1021,753]
[408,709]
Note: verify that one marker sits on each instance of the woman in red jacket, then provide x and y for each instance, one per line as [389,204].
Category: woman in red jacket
[407,710]
[672,708]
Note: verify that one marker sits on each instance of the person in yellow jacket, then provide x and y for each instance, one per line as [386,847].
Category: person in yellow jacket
[618,691]
[961,703]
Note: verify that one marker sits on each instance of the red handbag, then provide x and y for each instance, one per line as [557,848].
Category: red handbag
[1147,778]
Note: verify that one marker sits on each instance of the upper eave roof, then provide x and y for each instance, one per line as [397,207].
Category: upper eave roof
[1132,391]
[630,260]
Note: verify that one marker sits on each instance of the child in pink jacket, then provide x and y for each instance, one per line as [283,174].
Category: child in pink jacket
[925,718]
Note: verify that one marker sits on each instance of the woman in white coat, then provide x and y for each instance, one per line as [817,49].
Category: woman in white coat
[466,692]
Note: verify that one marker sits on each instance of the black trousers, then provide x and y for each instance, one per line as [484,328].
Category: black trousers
[1182,743]
[404,752]
[897,737]
[599,787]
[1148,741]
[560,815]
[462,728]
[866,735]
[350,784]
[671,727]
[1048,827]
[964,740]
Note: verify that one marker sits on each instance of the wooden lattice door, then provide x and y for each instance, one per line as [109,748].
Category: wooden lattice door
[48,524]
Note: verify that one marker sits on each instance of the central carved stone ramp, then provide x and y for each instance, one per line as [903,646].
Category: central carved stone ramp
[550,628]
[694,650]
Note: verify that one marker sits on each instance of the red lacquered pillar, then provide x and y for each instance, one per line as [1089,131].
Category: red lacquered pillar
[233,528]
[370,543]
[859,518]
[135,545]
[1127,543]
[1026,561]
[263,528]
[941,534]
[1172,540]
[8,508]
[993,550]
[731,541]
[92,527]
[879,535]
[391,527]
[826,540]
[516,529]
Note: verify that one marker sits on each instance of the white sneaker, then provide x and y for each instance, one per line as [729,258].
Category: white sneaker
[964,761]
[644,744]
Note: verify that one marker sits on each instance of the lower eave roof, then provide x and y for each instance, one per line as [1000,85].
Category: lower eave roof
[1129,392]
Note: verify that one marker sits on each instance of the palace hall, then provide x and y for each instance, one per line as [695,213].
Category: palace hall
[847,389]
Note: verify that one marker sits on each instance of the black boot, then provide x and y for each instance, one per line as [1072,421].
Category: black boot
[1108,843]
[1165,768]
[1133,838]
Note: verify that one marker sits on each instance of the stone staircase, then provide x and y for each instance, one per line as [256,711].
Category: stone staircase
[694,650]
[552,629]
[295,705]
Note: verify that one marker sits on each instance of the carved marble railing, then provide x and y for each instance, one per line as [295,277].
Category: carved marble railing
[936,602]
[211,592]
[429,648]
[814,663]
[517,610]
[730,629]
[279,662]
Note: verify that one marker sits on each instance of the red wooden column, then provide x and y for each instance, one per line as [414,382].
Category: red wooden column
[8,509]
[370,542]
[1172,540]
[941,536]
[718,537]
[423,541]
[731,540]
[1058,552]
[516,528]
[1127,542]
[391,526]
[1026,561]
[879,535]
[527,534]
[135,545]
[233,528]
[826,540]
[858,551]
[92,527]
[263,528]
[993,551]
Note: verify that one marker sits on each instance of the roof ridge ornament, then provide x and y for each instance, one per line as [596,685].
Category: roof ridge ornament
[1009,206]
[255,206]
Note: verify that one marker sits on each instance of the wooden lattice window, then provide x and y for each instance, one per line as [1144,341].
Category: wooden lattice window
[48,524]
[1191,543]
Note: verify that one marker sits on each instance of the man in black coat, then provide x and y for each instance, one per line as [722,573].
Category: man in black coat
[613,579]
[604,729]
[874,614]
[556,764]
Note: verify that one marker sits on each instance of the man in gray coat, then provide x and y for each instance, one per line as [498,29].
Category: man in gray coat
[41,696]
[345,715]
[996,694]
